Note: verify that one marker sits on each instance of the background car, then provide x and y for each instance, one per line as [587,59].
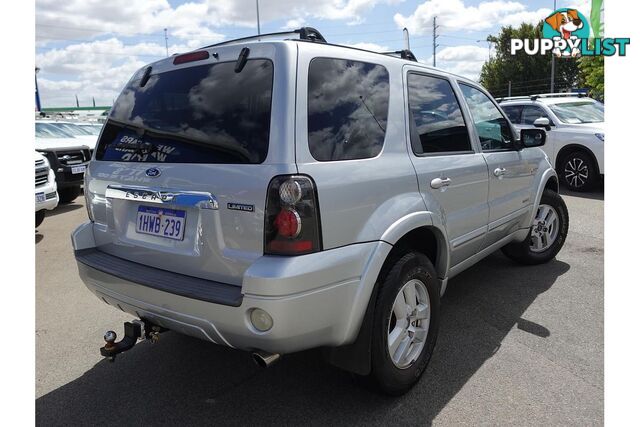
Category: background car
[68,157]
[46,189]
[575,133]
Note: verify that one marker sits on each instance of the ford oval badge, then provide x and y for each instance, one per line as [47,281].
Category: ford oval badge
[152,172]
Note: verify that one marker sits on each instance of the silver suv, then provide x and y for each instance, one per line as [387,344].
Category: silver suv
[277,196]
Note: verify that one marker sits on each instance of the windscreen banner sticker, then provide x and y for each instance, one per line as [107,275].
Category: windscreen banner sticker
[129,147]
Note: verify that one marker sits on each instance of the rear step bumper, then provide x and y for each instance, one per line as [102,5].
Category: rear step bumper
[314,300]
[162,280]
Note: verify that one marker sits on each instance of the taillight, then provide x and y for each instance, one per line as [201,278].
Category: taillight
[292,220]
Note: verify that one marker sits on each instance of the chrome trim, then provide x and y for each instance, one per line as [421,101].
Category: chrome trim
[198,199]
[466,238]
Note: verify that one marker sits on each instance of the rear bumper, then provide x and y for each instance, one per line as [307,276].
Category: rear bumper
[315,300]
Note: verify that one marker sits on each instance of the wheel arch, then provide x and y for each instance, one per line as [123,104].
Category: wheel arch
[570,148]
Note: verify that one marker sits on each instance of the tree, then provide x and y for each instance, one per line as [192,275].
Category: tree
[592,75]
[528,73]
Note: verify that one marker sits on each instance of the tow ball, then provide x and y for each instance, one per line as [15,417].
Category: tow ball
[133,331]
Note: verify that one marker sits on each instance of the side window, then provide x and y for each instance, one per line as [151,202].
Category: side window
[492,127]
[347,110]
[436,120]
[513,112]
[530,113]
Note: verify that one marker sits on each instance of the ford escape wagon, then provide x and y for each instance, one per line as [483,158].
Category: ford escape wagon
[279,195]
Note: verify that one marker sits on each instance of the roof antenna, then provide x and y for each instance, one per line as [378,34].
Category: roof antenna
[242,59]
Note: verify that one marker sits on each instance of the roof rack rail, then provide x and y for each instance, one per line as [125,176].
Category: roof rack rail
[542,95]
[404,54]
[305,33]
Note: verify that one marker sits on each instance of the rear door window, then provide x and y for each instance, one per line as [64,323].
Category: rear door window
[437,124]
[347,109]
[200,114]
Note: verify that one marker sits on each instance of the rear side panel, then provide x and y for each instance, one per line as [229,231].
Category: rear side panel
[218,242]
[359,199]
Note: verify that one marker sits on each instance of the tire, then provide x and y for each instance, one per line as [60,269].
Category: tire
[40,217]
[578,172]
[68,194]
[537,249]
[412,270]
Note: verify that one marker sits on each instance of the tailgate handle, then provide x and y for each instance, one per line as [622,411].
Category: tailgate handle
[197,199]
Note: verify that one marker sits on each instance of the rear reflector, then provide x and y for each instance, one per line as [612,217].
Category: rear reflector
[190,57]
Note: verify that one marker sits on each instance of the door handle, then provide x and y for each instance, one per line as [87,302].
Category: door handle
[499,172]
[440,182]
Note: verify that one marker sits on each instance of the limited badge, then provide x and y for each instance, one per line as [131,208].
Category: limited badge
[240,207]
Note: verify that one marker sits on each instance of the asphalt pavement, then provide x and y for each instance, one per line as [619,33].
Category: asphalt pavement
[517,345]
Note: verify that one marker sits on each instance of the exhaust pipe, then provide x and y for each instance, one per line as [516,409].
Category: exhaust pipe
[264,359]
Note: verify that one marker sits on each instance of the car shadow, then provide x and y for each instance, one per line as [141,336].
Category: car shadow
[64,208]
[596,194]
[182,380]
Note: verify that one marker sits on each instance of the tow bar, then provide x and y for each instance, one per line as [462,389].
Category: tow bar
[133,331]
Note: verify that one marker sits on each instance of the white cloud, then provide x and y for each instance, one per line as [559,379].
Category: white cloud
[454,15]
[466,60]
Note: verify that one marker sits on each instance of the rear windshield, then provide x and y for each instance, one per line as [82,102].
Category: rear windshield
[202,114]
[49,130]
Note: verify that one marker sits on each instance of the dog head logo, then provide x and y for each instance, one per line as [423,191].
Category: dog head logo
[566,24]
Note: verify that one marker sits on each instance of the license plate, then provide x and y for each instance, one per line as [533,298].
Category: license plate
[78,169]
[168,223]
[40,197]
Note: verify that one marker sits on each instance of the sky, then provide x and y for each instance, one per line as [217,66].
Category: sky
[90,48]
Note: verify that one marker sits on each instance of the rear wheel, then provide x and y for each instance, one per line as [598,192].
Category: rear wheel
[578,171]
[548,232]
[68,194]
[40,217]
[405,324]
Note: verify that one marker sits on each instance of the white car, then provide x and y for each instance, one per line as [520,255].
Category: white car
[46,188]
[575,133]
[67,156]
[83,134]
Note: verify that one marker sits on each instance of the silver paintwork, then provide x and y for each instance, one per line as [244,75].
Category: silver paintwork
[366,206]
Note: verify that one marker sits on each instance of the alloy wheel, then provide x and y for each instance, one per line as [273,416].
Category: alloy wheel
[544,231]
[576,172]
[409,324]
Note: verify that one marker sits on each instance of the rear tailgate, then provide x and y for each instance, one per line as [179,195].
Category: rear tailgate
[184,161]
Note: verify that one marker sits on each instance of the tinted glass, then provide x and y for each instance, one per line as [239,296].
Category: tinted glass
[201,114]
[513,112]
[438,125]
[531,113]
[493,129]
[348,107]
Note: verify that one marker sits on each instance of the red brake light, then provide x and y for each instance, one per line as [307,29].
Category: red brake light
[292,220]
[190,57]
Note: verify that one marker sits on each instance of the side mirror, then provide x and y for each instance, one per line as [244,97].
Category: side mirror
[532,137]
[542,122]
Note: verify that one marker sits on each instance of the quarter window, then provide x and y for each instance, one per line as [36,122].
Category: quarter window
[493,128]
[437,124]
[347,110]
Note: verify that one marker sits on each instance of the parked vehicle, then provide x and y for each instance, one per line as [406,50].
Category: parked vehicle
[84,134]
[46,189]
[67,156]
[575,133]
[293,194]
